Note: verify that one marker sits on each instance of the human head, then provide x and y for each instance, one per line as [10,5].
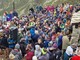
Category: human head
[37,47]
[36,32]
[17,46]
[34,58]
[39,40]
[29,47]
[74,45]
[22,39]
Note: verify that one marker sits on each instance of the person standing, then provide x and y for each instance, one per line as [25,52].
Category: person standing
[65,42]
[70,51]
[77,56]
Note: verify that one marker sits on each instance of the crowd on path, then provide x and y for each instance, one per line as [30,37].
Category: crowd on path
[44,34]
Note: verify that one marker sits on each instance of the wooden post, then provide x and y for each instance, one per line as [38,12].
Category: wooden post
[13,5]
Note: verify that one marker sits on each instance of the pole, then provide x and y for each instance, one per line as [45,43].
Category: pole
[13,5]
[2,5]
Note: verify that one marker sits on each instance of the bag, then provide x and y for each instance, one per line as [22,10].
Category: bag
[52,56]
[11,56]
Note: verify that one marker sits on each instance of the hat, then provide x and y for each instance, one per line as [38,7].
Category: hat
[11,56]
[17,46]
[55,45]
[50,43]
[34,58]
[37,47]
[22,39]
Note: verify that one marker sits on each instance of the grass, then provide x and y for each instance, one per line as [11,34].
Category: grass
[22,6]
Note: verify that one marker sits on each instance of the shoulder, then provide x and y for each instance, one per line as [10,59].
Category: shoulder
[74,57]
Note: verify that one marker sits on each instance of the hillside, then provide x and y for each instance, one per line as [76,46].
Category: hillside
[22,6]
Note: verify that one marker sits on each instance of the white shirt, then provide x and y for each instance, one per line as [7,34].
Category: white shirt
[69,50]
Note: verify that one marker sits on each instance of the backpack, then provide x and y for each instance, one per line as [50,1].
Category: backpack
[51,56]
[55,55]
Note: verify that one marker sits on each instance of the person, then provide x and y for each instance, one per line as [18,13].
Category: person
[70,51]
[34,58]
[20,35]
[15,14]
[10,16]
[36,36]
[65,42]
[4,18]
[4,44]
[37,51]
[31,10]
[46,41]
[23,46]
[77,56]
[45,55]
[60,41]
[29,52]
[17,52]
[1,36]
[40,43]
[57,28]
[28,38]
[11,57]
[43,28]
[11,43]
[54,53]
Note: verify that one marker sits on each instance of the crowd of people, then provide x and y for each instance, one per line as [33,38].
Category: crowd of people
[44,34]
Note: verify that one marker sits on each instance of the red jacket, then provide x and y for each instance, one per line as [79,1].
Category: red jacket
[29,55]
[75,58]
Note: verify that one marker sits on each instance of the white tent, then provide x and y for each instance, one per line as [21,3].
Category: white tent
[75,17]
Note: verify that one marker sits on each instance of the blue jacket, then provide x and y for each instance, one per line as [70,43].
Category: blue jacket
[60,40]
[32,31]
[46,42]
[11,43]
[26,41]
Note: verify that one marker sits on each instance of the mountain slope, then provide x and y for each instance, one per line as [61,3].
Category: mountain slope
[22,6]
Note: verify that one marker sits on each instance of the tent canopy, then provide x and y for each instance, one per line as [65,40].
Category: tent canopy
[75,17]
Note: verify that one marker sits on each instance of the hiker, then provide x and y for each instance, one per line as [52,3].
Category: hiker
[70,51]
[17,52]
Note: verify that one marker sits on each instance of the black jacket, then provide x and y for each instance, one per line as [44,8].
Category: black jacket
[4,42]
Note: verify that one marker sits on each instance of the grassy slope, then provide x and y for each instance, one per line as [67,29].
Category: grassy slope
[22,6]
